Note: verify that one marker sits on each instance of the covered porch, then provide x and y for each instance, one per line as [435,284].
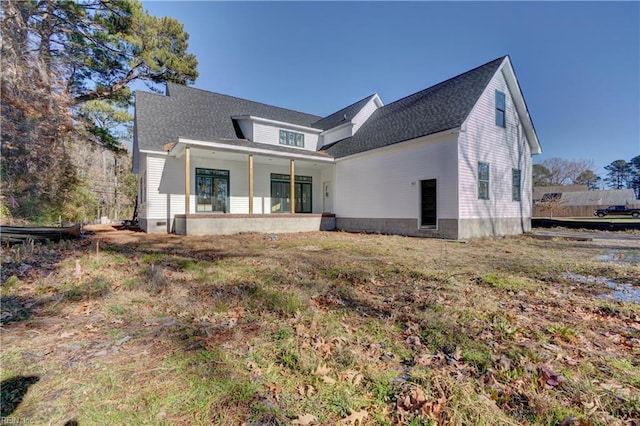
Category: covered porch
[240,186]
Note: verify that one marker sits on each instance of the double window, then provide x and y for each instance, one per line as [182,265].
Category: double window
[291,138]
[483,181]
[501,108]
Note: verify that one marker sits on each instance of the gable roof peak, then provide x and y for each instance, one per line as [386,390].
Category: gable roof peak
[441,107]
[343,115]
[490,64]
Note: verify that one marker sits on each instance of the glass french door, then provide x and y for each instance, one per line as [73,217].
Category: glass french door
[280,197]
[212,191]
[303,198]
[281,194]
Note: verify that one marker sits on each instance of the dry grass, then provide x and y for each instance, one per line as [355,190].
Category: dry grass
[319,328]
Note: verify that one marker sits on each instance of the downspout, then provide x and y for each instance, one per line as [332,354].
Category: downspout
[292,190]
[250,184]
[187,178]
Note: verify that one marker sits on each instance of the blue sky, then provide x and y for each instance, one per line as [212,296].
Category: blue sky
[578,63]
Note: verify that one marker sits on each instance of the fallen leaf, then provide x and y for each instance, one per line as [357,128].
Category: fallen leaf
[356,417]
[319,344]
[273,388]
[350,376]
[550,377]
[322,370]
[300,330]
[305,420]
[328,380]
[306,390]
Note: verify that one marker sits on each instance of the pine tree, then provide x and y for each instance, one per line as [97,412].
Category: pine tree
[618,174]
[57,55]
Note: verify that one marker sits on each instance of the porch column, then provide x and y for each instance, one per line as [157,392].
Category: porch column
[187,178]
[250,184]
[292,190]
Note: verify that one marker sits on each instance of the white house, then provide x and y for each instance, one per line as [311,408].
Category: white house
[451,161]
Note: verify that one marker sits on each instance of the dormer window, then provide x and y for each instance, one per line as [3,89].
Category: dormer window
[291,138]
[500,109]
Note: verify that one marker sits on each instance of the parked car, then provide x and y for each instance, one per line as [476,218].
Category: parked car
[617,210]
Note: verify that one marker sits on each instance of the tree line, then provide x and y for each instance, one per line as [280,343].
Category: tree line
[67,67]
[620,174]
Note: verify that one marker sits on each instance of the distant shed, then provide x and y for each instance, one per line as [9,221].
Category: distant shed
[557,203]
[540,192]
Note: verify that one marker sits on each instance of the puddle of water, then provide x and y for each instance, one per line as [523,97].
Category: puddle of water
[621,291]
[620,257]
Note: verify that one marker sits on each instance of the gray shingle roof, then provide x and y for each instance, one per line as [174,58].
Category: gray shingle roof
[331,121]
[198,114]
[441,107]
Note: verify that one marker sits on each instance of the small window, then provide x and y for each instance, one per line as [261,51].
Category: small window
[143,191]
[500,109]
[483,181]
[516,191]
[291,138]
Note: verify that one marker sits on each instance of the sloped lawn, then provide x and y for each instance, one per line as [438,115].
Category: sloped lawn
[319,328]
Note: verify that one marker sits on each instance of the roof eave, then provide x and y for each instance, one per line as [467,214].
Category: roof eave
[182,143]
[338,127]
[521,105]
[422,138]
[276,123]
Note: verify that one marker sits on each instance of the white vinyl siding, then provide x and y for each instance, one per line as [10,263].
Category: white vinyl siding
[342,132]
[504,149]
[363,115]
[334,135]
[165,188]
[264,133]
[142,180]
[386,183]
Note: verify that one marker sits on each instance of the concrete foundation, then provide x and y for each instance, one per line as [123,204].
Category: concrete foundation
[447,228]
[452,229]
[226,224]
[155,226]
[475,228]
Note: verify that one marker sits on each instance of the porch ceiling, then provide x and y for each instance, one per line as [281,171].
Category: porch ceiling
[257,158]
[239,150]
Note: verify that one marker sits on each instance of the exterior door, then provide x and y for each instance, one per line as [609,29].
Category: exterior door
[428,203]
[212,191]
[280,197]
[281,194]
[303,198]
[220,192]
